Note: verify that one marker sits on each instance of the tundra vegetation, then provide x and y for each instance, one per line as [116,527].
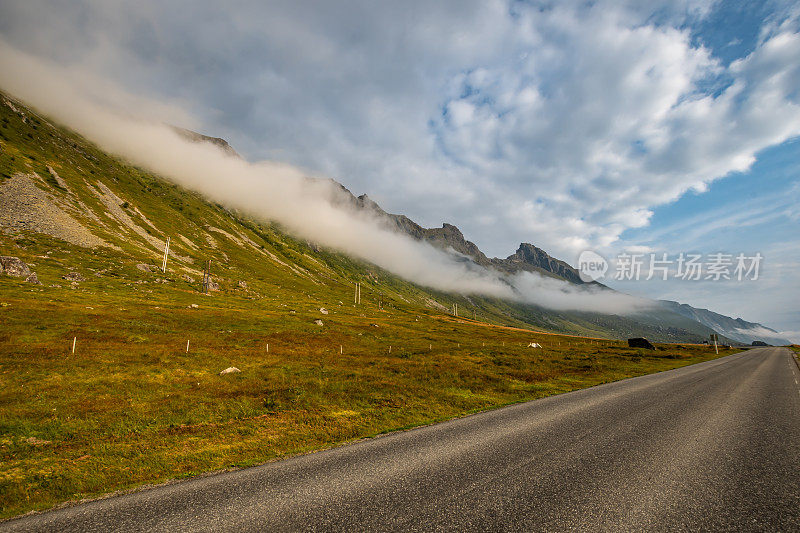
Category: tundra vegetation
[136,404]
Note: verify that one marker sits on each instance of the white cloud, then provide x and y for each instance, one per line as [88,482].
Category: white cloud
[572,119]
[620,123]
[274,191]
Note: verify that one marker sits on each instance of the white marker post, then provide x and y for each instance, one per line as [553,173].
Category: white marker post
[187,345]
[166,254]
[74,340]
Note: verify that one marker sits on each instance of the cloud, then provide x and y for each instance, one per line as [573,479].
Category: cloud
[793,336]
[269,190]
[604,121]
[768,335]
[562,124]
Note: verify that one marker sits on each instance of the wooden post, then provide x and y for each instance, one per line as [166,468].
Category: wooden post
[166,254]
[206,276]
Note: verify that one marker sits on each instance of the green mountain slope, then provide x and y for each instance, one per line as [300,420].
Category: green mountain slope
[74,207]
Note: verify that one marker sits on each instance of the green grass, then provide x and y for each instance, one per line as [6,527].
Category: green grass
[131,407]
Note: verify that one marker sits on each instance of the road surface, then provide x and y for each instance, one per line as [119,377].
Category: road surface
[713,446]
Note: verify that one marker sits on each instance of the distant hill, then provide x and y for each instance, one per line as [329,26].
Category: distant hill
[733,328]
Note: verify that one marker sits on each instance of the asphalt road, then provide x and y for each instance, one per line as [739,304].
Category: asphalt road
[713,446]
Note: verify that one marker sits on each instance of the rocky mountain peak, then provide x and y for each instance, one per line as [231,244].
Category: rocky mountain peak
[365,202]
[200,138]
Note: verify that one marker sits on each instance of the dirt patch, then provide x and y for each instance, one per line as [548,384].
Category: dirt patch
[26,207]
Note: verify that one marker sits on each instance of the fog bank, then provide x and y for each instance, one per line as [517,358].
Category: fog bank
[266,190]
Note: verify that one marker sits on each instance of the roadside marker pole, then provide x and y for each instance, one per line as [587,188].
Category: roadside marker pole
[267,347]
[341,350]
[187,345]
[74,340]
[166,253]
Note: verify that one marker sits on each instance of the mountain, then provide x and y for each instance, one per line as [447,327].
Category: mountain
[527,258]
[68,207]
[530,258]
[199,137]
[733,328]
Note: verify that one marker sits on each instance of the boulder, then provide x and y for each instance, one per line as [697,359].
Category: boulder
[323,310]
[242,284]
[14,266]
[230,370]
[534,345]
[144,268]
[318,322]
[33,278]
[192,306]
[73,276]
[640,342]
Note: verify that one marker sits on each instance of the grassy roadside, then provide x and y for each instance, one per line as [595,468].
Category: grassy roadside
[131,407]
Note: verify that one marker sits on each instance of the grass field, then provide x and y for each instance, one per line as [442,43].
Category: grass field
[131,406]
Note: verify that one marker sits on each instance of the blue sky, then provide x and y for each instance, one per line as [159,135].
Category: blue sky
[668,126]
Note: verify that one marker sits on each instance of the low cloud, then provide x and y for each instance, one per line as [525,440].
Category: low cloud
[268,190]
[769,335]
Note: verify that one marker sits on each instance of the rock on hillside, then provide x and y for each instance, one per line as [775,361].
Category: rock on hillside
[200,138]
[17,268]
